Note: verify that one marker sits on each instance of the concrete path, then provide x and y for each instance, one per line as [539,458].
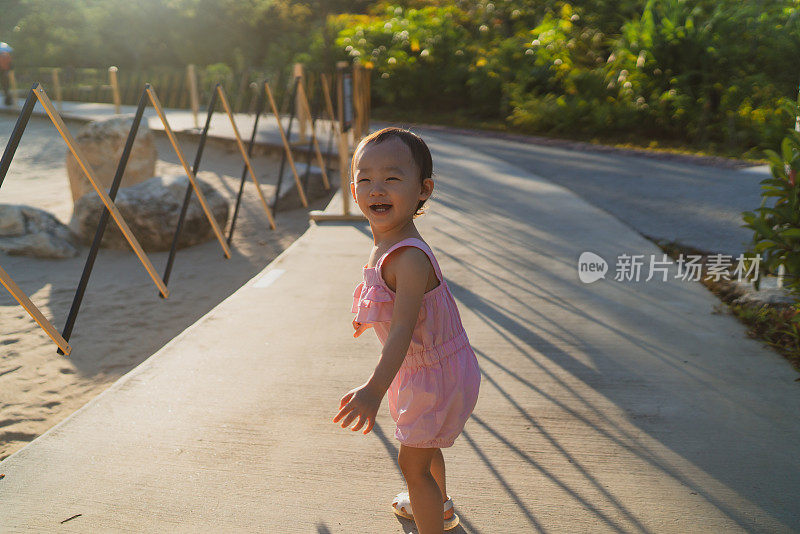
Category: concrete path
[609,407]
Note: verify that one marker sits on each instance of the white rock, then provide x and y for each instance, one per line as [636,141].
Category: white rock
[151,210]
[28,231]
[101,143]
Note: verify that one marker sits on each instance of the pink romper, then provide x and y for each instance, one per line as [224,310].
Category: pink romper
[436,388]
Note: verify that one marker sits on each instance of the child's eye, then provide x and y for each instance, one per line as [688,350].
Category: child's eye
[392,178]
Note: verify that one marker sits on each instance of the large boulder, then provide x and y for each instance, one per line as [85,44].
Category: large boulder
[151,210]
[28,231]
[101,142]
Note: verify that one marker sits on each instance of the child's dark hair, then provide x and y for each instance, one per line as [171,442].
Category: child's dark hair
[419,152]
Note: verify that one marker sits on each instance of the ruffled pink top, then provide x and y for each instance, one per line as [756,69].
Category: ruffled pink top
[438,331]
[436,387]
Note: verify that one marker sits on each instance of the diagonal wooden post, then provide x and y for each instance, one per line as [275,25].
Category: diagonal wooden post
[109,204]
[210,216]
[246,158]
[34,312]
[286,147]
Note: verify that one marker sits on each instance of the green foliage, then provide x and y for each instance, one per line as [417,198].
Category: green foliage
[776,227]
[420,54]
[713,73]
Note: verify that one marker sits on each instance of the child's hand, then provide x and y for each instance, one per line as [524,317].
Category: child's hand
[361,403]
[360,327]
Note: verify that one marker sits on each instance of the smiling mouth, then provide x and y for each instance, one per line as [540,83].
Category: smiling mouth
[380,208]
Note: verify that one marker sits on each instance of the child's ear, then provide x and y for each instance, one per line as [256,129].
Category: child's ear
[353,189]
[426,190]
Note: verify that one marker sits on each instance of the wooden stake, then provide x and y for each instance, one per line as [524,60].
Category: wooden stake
[286,146]
[34,312]
[367,99]
[299,111]
[57,87]
[112,76]
[344,148]
[357,101]
[192,79]
[200,196]
[244,155]
[109,204]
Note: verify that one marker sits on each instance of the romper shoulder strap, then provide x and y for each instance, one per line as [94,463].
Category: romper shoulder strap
[413,242]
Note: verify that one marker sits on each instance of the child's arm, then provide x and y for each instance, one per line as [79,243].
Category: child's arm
[412,268]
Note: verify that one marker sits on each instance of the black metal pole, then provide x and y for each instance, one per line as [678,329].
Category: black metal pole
[259,110]
[188,196]
[289,141]
[101,227]
[313,111]
[330,141]
[16,134]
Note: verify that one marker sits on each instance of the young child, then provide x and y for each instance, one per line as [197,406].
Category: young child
[427,365]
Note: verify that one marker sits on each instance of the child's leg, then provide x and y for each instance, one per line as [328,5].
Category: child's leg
[437,470]
[423,491]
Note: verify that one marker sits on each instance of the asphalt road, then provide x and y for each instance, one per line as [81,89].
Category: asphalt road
[692,204]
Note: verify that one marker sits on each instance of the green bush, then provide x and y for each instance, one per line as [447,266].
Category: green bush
[776,227]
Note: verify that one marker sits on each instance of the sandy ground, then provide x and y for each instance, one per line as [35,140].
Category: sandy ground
[122,320]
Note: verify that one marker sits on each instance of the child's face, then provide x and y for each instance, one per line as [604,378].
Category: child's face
[385,173]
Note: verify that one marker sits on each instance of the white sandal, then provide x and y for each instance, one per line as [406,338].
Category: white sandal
[402,507]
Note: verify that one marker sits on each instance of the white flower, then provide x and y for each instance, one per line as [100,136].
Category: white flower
[535,42]
[557,62]
[574,17]
[387,26]
[529,52]
[385,75]
[627,85]
[391,61]
[484,28]
[425,53]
